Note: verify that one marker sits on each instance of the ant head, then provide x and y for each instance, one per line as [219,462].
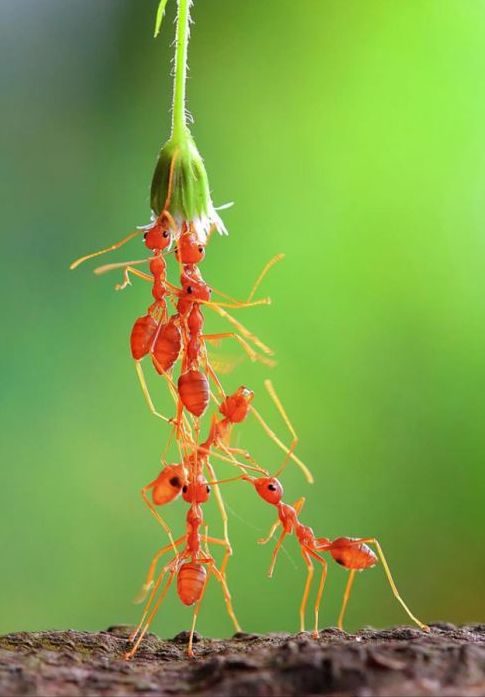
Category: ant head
[158,236]
[195,290]
[235,407]
[269,488]
[189,249]
[168,485]
[196,492]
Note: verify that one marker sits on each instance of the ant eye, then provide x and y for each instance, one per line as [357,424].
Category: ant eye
[175,481]
[271,487]
[165,234]
[145,235]
[201,249]
[210,290]
[208,489]
[185,487]
[189,289]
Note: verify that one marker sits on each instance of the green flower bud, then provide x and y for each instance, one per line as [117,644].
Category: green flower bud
[180,186]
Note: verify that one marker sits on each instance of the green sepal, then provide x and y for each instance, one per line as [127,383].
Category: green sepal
[190,194]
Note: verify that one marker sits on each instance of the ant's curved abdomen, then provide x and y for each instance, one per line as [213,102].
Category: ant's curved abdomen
[352,556]
[142,336]
[194,391]
[166,348]
[191,580]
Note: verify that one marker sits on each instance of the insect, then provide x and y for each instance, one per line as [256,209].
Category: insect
[354,554]
[191,567]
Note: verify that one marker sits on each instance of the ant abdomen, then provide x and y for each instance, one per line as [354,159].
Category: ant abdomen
[142,336]
[191,580]
[352,556]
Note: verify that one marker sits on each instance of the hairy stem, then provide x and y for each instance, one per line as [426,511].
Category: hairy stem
[179,124]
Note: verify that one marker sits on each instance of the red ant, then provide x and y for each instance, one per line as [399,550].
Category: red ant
[350,552]
[190,566]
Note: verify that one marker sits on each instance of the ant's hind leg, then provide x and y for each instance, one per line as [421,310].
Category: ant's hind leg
[396,593]
[227,596]
[163,593]
[348,589]
[269,432]
[222,511]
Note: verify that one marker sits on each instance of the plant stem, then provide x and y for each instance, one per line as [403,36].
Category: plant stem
[179,123]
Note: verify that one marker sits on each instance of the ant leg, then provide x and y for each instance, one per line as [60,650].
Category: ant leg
[241,328]
[152,614]
[282,446]
[111,248]
[308,583]
[298,505]
[127,269]
[238,305]
[348,588]
[275,553]
[387,571]
[140,597]
[157,515]
[396,594]
[250,352]
[269,536]
[148,603]
[222,510]
[146,393]
[269,265]
[227,596]
[230,451]
[321,586]
[190,651]
[232,460]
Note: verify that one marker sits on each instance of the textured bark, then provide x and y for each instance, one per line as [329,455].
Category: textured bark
[399,661]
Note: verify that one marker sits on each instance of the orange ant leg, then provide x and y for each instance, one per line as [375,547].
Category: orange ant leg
[275,553]
[227,596]
[152,614]
[387,571]
[306,591]
[289,454]
[140,597]
[396,594]
[238,305]
[146,393]
[298,505]
[111,248]
[222,510]
[127,269]
[269,265]
[321,585]
[190,651]
[282,446]
[157,515]
[232,460]
[348,589]
[250,352]
[241,328]
[269,536]
[231,452]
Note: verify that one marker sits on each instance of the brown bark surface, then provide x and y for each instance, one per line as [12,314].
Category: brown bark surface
[399,661]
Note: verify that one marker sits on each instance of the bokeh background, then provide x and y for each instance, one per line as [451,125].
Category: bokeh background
[351,137]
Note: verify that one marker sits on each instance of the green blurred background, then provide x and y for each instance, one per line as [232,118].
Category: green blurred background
[351,137]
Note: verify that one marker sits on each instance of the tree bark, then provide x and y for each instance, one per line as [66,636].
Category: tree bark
[398,662]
